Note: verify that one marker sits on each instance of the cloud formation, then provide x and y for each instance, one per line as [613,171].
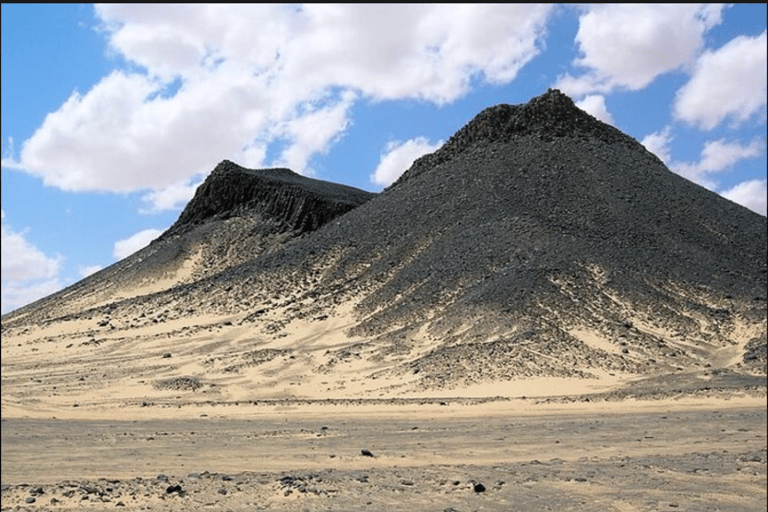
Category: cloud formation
[717,156]
[27,272]
[729,82]
[626,46]
[398,157]
[126,247]
[751,194]
[202,85]
[595,105]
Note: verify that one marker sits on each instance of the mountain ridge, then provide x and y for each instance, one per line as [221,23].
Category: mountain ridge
[537,242]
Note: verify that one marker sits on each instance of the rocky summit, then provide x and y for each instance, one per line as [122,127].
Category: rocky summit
[537,242]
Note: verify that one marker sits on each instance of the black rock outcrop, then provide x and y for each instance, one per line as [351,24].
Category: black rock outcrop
[235,216]
[296,202]
[546,117]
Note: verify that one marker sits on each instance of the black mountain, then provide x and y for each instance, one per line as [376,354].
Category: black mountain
[532,226]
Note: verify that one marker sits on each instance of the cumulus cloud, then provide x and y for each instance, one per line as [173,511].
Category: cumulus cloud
[658,144]
[751,194]
[126,247]
[170,197]
[20,293]
[21,260]
[595,105]
[628,45]
[398,157]
[203,85]
[27,272]
[727,83]
[716,156]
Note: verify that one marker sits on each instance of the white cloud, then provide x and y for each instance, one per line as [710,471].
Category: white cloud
[206,86]
[128,246]
[170,197]
[22,260]
[658,144]
[312,132]
[27,272]
[727,83]
[398,157]
[628,45]
[19,293]
[595,105]
[751,194]
[717,156]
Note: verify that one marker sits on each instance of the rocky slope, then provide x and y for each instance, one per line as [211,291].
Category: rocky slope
[537,242]
[236,215]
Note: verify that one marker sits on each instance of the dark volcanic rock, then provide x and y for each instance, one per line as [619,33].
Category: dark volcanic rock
[552,115]
[531,221]
[236,215]
[296,202]
[538,241]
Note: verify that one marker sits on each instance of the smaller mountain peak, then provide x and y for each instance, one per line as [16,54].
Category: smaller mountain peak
[226,167]
[551,107]
[553,114]
[554,98]
[297,202]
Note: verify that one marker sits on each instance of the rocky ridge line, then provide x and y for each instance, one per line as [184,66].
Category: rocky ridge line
[551,115]
[298,203]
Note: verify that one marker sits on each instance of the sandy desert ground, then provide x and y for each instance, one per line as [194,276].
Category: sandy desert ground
[116,415]
[685,454]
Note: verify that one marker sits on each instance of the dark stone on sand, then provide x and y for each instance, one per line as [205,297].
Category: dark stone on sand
[478,487]
[367,453]
[90,489]
[30,500]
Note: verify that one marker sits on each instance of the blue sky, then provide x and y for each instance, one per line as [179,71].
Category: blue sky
[112,115]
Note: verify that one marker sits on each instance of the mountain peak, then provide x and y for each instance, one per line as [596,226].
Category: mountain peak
[296,202]
[549,116]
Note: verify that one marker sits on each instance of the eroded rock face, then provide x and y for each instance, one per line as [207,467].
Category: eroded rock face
[296,202]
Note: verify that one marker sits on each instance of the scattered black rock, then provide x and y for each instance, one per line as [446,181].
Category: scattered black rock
[367,453]
[478,487]
[180,384]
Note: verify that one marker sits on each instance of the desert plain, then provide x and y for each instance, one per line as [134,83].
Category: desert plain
[104,426]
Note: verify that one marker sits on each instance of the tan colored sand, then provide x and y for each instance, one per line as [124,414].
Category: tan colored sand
[92,397]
